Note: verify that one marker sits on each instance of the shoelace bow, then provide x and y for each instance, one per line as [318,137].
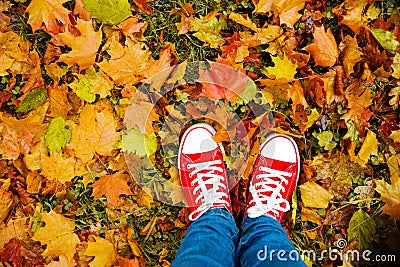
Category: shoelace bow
[207,196]
[264,203]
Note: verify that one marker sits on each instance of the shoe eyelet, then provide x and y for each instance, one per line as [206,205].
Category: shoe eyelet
[259,168]
[190,175]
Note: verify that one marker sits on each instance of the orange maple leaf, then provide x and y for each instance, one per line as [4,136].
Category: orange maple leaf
[140,114]
[127,63]
[48,12]
[96,132]
[84,46]
[59,105]
[324,49]
[350,14]
[142,5]
[112,186]
[350,54]
[295,92]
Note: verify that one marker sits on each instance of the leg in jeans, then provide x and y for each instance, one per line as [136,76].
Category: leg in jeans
[274,178]
[210,241]
[212,236]
[264,243]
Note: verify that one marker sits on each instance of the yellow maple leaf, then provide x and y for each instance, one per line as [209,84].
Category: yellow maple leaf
[314,196]
[58,234]
[127,63]
[368,148]
[390,192]
[103,252]
[283,69]
[395,135]
[96,132]
[47,12]
[324,49]
[84,47]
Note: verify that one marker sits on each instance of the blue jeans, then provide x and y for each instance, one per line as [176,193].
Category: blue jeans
[214,240]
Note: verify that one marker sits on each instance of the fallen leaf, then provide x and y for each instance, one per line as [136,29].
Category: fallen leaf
[59,104]
[396,66]
[390,192]
[58,234]
[368,148]
[112,186]
[32,100]
[351,14]
[84,47]
[207,29]
[141,114]
[103,252]
[395,94]
[48,12]
[350,54]
[16,253]
[15,228]
[58,134]
[126,63]
[295,92]
[140,144]
[311,216]
[109,12]
[386,39]
[142,5]
[314,195]
[96,132]
[324,48]
[363,228]
[287,10]
[245,21]
[81,11]
[283,68]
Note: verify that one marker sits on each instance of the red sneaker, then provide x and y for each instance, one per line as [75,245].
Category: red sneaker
[274,178]
[202,171]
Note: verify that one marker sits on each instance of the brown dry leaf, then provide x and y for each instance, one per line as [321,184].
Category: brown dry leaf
[96,132]
[390,192]
[350,54]
[48,12]
[84,46]
[127,63]
[33,182]
[58,234]
[7,202]
[59,105]
[295,92]
[324,48]
[9,146]
[350,14]
[314,195]
[112,186]
[142,5]
[103,252]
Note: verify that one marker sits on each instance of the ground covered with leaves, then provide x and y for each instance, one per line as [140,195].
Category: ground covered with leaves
[81,184]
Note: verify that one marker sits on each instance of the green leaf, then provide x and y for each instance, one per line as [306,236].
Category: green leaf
[140,144]
[362,227]
[33,100]
[83,88]
[325,140]
[208,30]
[386,39]
[58,134]
[249,92]
[110,12]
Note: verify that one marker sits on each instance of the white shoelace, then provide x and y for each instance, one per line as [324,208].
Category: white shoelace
[271,203]
[207,196]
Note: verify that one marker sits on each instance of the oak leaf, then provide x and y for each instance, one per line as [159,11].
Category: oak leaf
[58,234]
[84,46]
[103,252]
[112,186]
[126,63]
[390,192]
[96,132]
[314,196]
[323,49]
[48,12]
